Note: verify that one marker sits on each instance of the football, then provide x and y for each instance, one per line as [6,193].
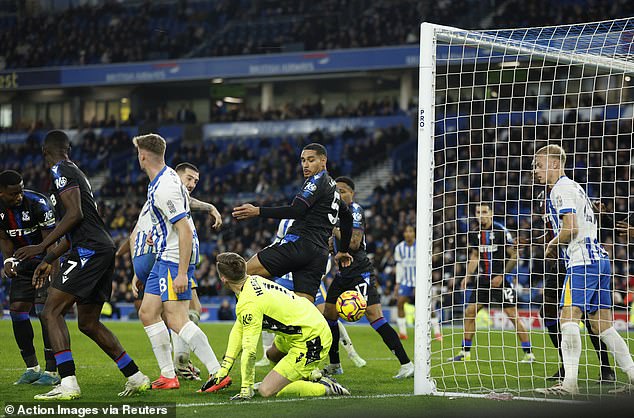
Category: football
[351,305]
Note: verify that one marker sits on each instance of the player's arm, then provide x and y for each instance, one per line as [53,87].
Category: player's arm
[199,205]
[185,245]
[296,210]
[472,267]
[6,246]
[251,320]
[345,223]
[125,246]
[71,199]
[568,231]
[45,268]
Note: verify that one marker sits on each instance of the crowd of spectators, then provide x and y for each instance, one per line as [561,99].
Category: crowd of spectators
[116,32]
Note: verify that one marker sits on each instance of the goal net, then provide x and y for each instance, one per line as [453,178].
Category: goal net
[487,101]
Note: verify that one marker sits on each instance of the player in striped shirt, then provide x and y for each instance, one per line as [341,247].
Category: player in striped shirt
[588,271]
[404,289]
[168,287]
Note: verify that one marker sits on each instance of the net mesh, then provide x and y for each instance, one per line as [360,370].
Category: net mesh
[500,96]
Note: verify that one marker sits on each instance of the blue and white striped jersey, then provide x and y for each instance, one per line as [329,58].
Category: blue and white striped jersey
[405,257]
[169,203]
[567,196]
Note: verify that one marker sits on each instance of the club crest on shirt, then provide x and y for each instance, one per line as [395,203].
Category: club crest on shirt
[171,207]
[246,319]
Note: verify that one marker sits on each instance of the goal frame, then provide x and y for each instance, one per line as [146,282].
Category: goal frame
[430,35]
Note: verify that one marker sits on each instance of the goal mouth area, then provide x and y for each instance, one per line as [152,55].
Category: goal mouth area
[569,85]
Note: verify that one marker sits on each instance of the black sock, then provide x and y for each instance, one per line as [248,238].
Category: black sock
[334,348]
[23,332]
[390,338]
[554,334]
[599,346]
[127,366]
[65,363]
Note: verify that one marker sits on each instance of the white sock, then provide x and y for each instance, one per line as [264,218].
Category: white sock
[181,351]
[435,324]
[267,342]
[160,339]
[402,325]
[570,351]
[34,368]
[136,377]
[344,339]
[70,382]
[197,341]
[618,348]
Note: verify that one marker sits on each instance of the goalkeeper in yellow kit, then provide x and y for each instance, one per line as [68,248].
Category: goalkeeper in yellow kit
[301,343]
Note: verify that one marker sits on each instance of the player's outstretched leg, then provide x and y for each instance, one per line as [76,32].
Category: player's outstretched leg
[469,331]
[335,363]
[89,324]
[184,367]
[522,334]
[23,333]
[374,313]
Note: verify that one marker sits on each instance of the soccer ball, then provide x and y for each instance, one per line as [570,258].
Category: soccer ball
[351,305]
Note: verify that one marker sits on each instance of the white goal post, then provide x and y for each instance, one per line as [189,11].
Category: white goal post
[523,88]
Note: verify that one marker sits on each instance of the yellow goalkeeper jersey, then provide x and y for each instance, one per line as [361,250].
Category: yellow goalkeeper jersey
[264,304]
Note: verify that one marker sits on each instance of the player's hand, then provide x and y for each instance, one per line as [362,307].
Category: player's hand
[551,251]
[331,245]
[521,241]
[245,211]
[465,282]
[149,241]
[217,218]
[135,286]
[624,229]
[9,267]
[244,395]
[343,259]
[496,281]
[599,207]
[29,251]
[180,283]
[42,274]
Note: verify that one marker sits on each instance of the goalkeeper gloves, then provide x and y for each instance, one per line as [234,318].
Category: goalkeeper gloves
[244,395]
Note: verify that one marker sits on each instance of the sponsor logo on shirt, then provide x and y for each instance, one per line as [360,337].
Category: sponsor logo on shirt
[25,216]
[171,207]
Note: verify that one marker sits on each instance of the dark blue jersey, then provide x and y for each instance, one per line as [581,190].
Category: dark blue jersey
[361,263]
[91,231]
[23,224]
[319,193]
[491,244]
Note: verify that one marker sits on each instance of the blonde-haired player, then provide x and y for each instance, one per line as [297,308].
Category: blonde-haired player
[588,277]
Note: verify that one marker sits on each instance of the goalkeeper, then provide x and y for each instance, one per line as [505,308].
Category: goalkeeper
[301,344]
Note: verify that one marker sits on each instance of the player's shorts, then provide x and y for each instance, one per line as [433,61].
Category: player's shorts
[142,267]
[22,289]
[364,284]
[407,291]
[160,281]
[87,275]
[287,283]
[304,356]
[589,287]
[505,295]
[304,259]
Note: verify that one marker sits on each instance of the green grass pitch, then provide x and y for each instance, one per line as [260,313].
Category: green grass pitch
[375,392]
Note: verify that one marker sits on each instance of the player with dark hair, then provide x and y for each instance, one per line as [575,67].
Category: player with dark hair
[359,276]
[85,276]
[304,249]
[493,255]
[26,217]
[301,343]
